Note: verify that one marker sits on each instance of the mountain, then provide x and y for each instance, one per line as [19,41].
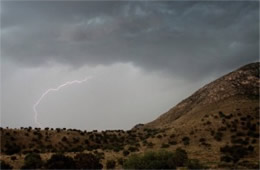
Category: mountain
[219,122]
[239,85]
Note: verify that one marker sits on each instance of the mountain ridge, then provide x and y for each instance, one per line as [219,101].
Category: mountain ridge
[243,81]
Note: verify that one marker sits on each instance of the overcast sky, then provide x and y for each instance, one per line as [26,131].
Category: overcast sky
[144,57]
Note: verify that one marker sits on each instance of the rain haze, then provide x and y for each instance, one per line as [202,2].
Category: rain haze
[143,56]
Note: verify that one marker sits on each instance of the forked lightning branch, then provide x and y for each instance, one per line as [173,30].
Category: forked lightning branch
[54,90]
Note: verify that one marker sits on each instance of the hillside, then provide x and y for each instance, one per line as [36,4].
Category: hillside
[241,83]
[218,125]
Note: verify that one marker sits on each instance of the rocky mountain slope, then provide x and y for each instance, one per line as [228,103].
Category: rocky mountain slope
[243,82]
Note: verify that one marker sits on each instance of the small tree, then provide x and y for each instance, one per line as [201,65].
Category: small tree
[32,161]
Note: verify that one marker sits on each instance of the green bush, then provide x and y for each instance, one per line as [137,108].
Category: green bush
[59,161]
[110,164]
[32,161]
[180,157]
[160,160]
[150,160]
[87,161]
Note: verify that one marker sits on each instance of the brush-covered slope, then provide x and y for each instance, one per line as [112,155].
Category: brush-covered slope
[241,84]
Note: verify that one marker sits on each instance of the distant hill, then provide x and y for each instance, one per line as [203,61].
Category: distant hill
[218,125]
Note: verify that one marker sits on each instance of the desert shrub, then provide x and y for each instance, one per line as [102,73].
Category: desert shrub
[4,165]
[206,144]
[172,136]
[64,139]
[212,132]
[159,136]
[194,164]
[186,140]
[12,148]
[86,141]
[13,158]
[117,148]
[253,141]
[218,136]
[58,130]
[32,161]
[236,152]
[59,161]
[202,140]
[133,149]
[172,142]
[100,155]
[222,129]
[75,140]
[229,116]
[76,149]
[180,157]
[250,148]
[225,158]
[240,134]
[237,141]
[125,152]
[120,161]
[253,134]
[157,160]
[243,118]
[87,161]
[149,160]
[12,138]
[249,165]
[221,114]
[206,116]
[110,164]
[208,123]
[164,145]
[150,144]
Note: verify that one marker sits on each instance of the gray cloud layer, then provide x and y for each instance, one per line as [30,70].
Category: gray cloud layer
[191,39]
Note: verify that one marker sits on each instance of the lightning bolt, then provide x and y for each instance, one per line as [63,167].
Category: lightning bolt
[68,83]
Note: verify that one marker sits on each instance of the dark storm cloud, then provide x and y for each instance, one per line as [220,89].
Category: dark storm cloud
[187,38]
